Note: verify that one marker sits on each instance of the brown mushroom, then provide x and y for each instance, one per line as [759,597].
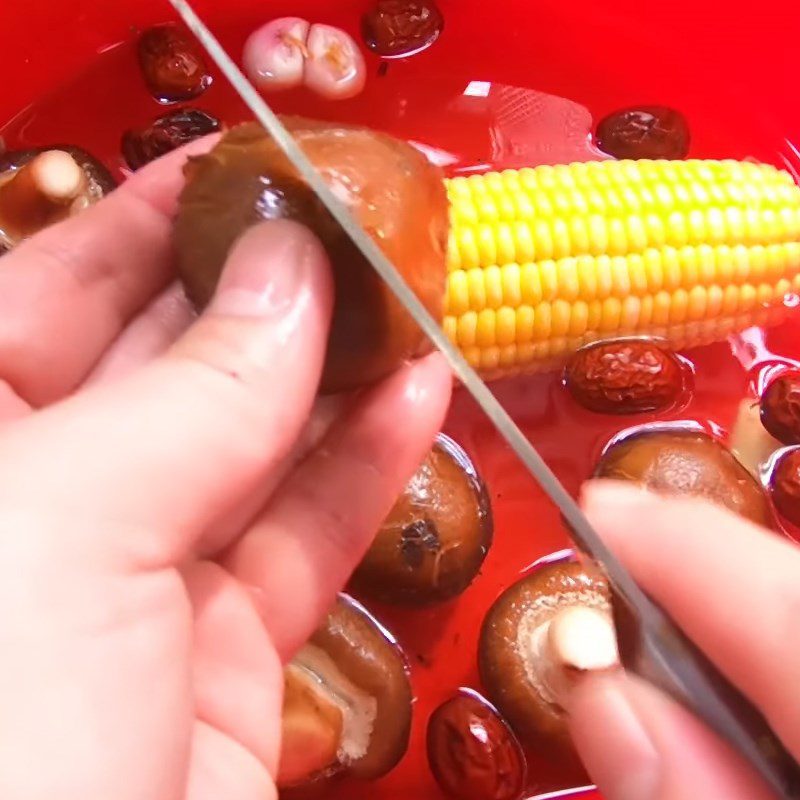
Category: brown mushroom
[41,186]
[538,636]
[395,193]
[686,462]
[347,702]
[435,540]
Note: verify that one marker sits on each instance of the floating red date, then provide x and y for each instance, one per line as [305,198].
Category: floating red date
[140,147]
[472,752]
[625,376]
[172,64]
[394,28]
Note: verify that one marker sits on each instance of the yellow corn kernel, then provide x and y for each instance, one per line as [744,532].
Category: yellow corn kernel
[544,260]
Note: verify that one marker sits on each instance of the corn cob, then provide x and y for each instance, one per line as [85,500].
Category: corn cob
[544,260]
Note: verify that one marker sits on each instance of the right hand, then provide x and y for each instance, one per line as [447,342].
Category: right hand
[734,589]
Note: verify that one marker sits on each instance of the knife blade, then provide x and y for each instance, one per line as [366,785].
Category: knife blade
[651,645]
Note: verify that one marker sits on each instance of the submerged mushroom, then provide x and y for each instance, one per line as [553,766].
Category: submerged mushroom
[44,185]
[538,636]
[686,462]
[394,192]
[347,702]
[434,541]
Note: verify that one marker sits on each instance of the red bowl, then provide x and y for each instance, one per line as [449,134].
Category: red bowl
[726,66]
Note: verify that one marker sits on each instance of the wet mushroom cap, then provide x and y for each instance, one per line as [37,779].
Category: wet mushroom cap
[394,192]
[437,536]
[513,682]
[100,180]
[42,186]
[361,669]
[692,463]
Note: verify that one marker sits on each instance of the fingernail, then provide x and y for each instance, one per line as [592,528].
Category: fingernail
[614,745]
[598,496]
[266,270]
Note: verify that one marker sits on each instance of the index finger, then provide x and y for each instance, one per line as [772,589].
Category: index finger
[733,587]
[68,292]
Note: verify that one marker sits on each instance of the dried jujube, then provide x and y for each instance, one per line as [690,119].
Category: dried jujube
[625,376]
[172,64]
[140,146]
[780,408]
[647,132]
[472,752]
[785,485]
[395,28]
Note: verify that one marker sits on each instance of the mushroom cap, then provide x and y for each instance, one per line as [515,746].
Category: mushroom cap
[371,661]
[393,191]
[684,462]
[506,636]
[101,181]
[437,536]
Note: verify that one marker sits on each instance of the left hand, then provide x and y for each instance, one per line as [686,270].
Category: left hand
[176,514]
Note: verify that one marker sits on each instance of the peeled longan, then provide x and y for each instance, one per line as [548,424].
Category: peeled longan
[395,193]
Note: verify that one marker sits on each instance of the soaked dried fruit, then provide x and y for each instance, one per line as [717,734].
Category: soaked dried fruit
[625,376]
[172,64]
[785,484]
[780,408]
[646,132]
[472,752]
[396,28]
[140,147]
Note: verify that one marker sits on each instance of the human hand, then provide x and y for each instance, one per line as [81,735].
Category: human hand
[735,590]
[176,514]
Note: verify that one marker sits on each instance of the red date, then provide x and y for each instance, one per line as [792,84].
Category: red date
[625,376]
[785,483]
[140,147]
[647,132]
[396,28]
[780,408]
[172,64]
[472,752]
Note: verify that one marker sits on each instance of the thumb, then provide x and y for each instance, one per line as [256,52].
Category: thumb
[183,441]
[637,744]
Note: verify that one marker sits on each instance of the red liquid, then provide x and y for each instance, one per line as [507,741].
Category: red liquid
[726,72]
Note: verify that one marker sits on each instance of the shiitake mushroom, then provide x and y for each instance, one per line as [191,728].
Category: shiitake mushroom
[43,185]
[686,462]
[347,702]
[394,192]
[538,635]
[434,541]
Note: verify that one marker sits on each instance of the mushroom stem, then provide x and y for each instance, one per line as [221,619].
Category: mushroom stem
[39,193]
[575,640]
[312,727]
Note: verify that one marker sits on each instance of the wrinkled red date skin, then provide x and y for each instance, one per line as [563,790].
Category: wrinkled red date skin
[472,752]
[780,408]
[400,27]
[140,147]
[625,377]
[786,485]
[647,132]
[172,64]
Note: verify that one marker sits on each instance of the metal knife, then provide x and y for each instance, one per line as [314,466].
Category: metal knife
[651,645]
